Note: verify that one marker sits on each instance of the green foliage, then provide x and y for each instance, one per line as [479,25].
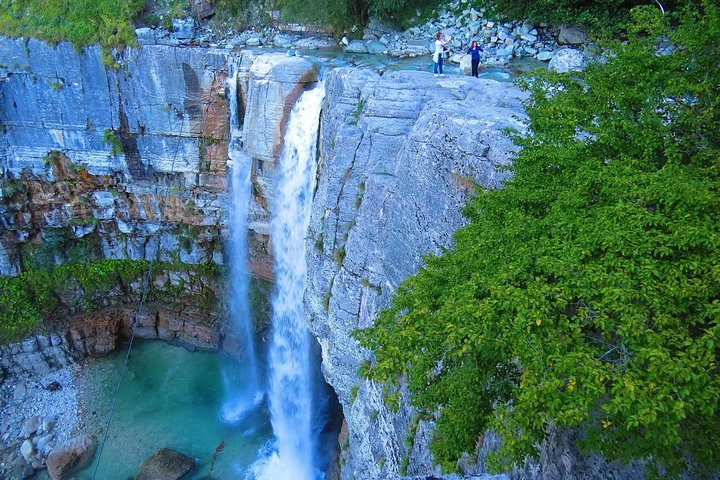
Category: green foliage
[343,15]
[35,295]
[30,296]
[600,14]
[585,293]
[339,255]
[260,291]
[360,195]
[81,22]
[111,137]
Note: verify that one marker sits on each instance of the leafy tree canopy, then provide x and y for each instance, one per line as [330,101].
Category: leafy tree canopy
[601,14]
[586,292]
[341,15]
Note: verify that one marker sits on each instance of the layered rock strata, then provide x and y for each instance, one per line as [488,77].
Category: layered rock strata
[114,158]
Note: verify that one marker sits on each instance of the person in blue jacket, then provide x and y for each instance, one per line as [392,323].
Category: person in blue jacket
[474,52]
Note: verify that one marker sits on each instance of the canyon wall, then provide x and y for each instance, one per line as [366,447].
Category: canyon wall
[400,153]
[98,162]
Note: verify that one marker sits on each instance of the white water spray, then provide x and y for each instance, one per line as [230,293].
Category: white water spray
[289,360]
[246,396]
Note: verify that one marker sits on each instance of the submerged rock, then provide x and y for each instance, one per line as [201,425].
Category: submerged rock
[166,464]
[70,456]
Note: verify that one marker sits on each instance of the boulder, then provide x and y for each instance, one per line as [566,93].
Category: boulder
[375,46]
[30,427]
[284,40]
[356,46]
[567,60]
[166,464]
[544,56]
[27,450]
[572,35]
[70,456]
[465,65]
[202,9]
[183,28]
[145,36]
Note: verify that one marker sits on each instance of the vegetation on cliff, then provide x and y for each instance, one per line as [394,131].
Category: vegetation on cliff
[585,294]
[81,22]
[39,295]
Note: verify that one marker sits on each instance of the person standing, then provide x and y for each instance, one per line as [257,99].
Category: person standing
[474,52]
[439,53]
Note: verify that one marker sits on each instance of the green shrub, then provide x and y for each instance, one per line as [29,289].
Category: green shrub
[81,22]
[31,297]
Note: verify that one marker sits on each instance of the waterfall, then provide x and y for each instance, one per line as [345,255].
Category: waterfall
[291,376]
[249,393]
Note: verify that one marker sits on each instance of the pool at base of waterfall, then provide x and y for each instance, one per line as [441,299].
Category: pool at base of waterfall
[172,398]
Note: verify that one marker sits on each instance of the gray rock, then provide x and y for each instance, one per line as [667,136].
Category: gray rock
[544,56]
[27,450]
[43,443]
[313,43]
[70,456]
[49,424]
[30,427]
[145,36]
[254,42]
[505,51]
[572,35]
[274,82]
[567,60]
[284,40]
[375,47]
[356,46]
[183,28]
[202,9]
[166,464]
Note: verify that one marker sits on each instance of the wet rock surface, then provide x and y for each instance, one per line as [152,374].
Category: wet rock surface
[166,464]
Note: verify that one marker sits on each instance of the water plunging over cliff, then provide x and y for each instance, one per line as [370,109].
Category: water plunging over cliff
[291,377]
[249,394]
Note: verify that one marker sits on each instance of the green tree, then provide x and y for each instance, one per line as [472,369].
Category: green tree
[586,292]
[341,15]
[600,14]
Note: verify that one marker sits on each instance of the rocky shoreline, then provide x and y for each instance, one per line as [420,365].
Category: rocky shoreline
[501,41]
[38,413]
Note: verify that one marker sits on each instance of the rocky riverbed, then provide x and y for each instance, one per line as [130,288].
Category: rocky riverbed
[38,413]
[501,41]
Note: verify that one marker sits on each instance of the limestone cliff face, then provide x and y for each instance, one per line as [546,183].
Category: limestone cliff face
[400,154]
[132,163]
[114,158]
[90,152]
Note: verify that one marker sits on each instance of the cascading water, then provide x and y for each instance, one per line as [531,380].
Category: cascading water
[291,375]
[249,393]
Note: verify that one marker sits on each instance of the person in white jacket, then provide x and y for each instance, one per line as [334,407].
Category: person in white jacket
[438,55]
